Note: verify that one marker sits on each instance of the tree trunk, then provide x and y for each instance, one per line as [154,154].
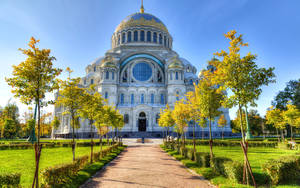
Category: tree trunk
[210,141]
[101,146]
[278,137]
[202,133]
[282,135]
[73,139]
[92,143]
[194,141]
[291,133]
[222,133]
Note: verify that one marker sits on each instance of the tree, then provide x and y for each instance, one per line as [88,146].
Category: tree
[166,119]
[209,101]
[92,106]
[70,99]
[195,112]
[242,77]
[55,123]
[290,93]
[292,117]
[31,80]
[222,123]
[181,115]
[274,116]
[101,123]
[10,125]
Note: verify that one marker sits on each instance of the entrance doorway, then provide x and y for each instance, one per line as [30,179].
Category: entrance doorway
[142,122]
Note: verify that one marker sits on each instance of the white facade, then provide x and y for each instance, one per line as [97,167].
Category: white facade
[140,74]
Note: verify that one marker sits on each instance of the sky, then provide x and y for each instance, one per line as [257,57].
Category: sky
[79,31]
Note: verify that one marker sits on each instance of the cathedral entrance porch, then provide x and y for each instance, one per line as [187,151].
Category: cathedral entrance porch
[142,122]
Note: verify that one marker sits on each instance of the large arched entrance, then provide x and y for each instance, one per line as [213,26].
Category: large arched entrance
[142,122]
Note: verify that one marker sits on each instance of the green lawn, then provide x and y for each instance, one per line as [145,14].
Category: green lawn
[257,156]
[22,161]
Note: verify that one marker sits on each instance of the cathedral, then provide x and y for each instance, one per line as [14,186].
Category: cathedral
[139,75]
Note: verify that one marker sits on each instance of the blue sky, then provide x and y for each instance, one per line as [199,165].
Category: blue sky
[79,31]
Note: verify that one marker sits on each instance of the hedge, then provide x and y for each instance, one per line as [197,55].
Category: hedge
[284,169]
[59,175]
[234,143]
[27,145]
[234,171]
[10,180]
[203,159]
[218,164]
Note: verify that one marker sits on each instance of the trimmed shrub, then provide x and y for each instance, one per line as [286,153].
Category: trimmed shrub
[218,164]
[184,152]
[284,169]
[234,143]
[10,180]
[191,154]
[234,171]
[203,159]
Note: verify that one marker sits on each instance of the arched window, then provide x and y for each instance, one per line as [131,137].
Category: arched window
[168,43]
[165,41]
[142,37]
[191,82]
[152,98]
[135,36]
[129,36]
[176,75]
[142,99]
[126,118]
[132,98]
[155,37]
[148,36]
[119,39]
[162,99]
[107,75]
[95,69]
[84,81]
[112,75]
[106,95]
[92,81]
[160,39]
[171,76]
[177,95]
[181,75]
[122,98]
[197,82]
[123,38]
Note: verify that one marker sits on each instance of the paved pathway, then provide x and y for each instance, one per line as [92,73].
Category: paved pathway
[145,166]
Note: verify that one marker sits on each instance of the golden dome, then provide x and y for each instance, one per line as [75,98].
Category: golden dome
[108,62]
[175,63]
[141,19]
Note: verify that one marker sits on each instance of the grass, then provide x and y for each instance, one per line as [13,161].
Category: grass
[257,156]
[91,169]
[23,161]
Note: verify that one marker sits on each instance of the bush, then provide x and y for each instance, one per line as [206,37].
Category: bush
[184,152]
[59,175]
[234,143]
[203,159]
[218,164]
[284,169]
[191,154]
[234,171]
[8,180]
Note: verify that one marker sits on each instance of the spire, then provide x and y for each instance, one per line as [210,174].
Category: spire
[142,8]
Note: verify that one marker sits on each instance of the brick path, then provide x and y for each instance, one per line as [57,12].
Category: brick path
[145,166]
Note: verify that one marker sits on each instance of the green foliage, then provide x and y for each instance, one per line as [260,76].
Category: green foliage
[10,129]
[184,152]
[290,93]
[60,175]
[10,180]
[191,154]
[203,159]
[218,164]
[283,170]
[234,171]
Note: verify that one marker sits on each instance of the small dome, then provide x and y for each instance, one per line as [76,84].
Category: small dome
[175,63]
[108,62]
[141,19]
